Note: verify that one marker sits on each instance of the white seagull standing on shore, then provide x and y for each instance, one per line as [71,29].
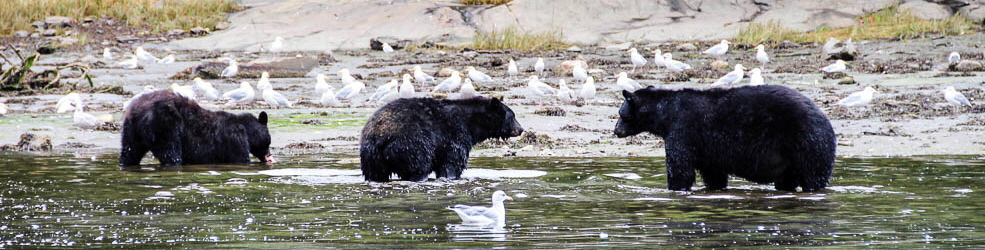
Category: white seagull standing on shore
[230,70]
[406,88]
[492,216]
[83,120]
[467,90]
[756,77]
[346,77]
[3,108]
[579,73]
[108,54]
[449,84]
[658,59]
[208,91]
[674,65]
[564,93]
[131,63]
[422,77]
[477,76]
[185,91]
[761,55]
[274,98]
[587,90]
[68,102]
[264,81]
[953,58]
[718,50]
[732,77]
[277,44]
[350,90]
[387,48]
[384,90]
[858,98]
[539,66]
[538,89]
[636,58]
[512,70]
[321,85]
[955,98]
[143,55]
[243,94]
[623,82]
[328,98]
[838,66]
[167,59]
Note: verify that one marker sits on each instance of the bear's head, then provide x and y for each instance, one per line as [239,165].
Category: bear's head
[495,120]
[260,138]
[631,119]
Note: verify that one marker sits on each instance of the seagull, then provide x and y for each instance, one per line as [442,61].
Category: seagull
[147,89]
[539,66]
[243,94]
[277,44]
[131,63]
[512,70]
[274,98]
[320,85]
[478,76]
[143,55]
[838,66]
[718,50]
[674,65]
[953,58]
[467,91]
[761,55]
[66,103]
[858,98]
[449,84]
[167,59]
[186,91]
[756,77]
[495,215]
[422,77]
[346,77]
[384,90]
[587,90]
[208,92]
[350,90]
[539,89]
[406,88]
[564,93]
[636,58]
[83,120]
[732,77]
[387,49]
[264,81]
[328,98]
[579,73]
[107,54]
[389,95]
[658,59]
[3,109]
[230,70]
[623,82]
[955,98]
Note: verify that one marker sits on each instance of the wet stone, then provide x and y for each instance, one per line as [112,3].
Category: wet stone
[551,111]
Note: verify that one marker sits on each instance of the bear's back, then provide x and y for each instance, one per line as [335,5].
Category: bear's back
[402,115]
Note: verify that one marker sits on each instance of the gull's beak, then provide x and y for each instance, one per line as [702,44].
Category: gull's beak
[509,198]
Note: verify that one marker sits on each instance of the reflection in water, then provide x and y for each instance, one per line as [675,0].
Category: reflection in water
[319,201]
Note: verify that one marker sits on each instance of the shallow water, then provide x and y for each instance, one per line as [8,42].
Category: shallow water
[320,201]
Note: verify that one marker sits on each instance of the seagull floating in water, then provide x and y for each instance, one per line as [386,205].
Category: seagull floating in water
[477,76]
[587,91]
[512,70]
[539,66]
[449,84]
[955,98]
[718,50]
[208,91]
[732,77]
[623,82]
[68,102]
[858,98]
[491,216]
[422,77]
[167,59]
[387,49]
[756,77]
[277,44]
[467,90]
[264,81]
[838,66]
[636,58]
[230,70]
[953,58]
[274,98]
[761,55]
[143,55]
[406,88]
[243,94]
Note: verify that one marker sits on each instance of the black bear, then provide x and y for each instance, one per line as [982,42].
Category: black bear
[179,132]
[413,137]
[764,134]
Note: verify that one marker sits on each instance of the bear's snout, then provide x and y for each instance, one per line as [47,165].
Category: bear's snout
[517,131]
[620,129]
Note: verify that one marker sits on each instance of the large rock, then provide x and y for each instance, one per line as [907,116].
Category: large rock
[59,21]
[966,66]
[290,67]
[975,12]
[811,15]
[926,10]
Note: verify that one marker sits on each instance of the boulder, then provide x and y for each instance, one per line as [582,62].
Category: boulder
[222,25]
[22,33]
[974,12]
[59,21]
[686,47]
[719,64]
[289,67]
[966,65]
[198,31]
[49,32]
[926,10]
[176,32]
[565,67]
[445,72]
[376,43]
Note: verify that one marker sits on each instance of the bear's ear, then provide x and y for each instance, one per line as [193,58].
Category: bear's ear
[263,118]
[495,102]
[628,95]
[651,87]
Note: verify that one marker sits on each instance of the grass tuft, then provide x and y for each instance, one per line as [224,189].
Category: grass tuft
[514,38]
[159,15]
[481,2]
[882,24]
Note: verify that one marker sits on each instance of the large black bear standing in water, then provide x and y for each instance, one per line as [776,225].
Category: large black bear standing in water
[416,136]
[179,132]
[764,134]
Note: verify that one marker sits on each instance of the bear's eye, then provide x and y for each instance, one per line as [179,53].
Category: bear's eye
[625,112]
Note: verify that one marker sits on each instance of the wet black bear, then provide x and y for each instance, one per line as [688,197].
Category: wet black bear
[179,132]
[764,134]
[413,137]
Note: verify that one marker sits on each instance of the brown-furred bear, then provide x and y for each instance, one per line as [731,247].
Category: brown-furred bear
[413,137]
[179,132]
[765,134]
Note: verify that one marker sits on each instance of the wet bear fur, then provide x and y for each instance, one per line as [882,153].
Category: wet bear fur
[765,134]
[179,132]
[413,137]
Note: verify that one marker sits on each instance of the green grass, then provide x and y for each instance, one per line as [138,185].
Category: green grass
[882,24]
[480,2]
[293,121]
[159,15]
[514,38]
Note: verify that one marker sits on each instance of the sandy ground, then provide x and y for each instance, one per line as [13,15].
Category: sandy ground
[908,117]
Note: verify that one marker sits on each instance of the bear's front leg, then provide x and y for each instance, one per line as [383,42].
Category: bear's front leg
[169,154]
[680,166]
